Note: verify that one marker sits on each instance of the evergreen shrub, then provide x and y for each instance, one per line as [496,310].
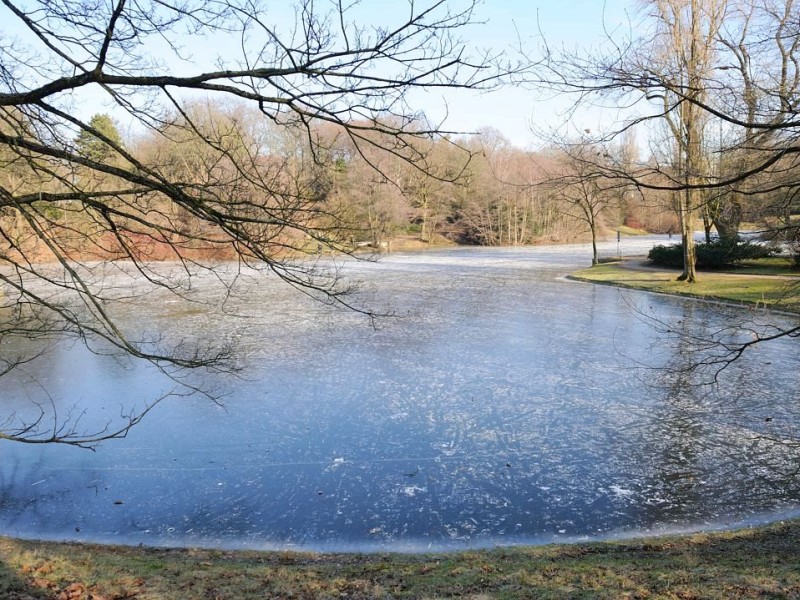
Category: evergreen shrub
[715,255]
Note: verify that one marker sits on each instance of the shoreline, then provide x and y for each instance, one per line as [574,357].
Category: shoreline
[745,559]
[412,548]
[754,291]
[753,562]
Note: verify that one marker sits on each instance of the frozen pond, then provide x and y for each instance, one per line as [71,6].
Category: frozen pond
[501,405]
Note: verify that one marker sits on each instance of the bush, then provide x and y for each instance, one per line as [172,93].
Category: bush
[667,256]
[715,255]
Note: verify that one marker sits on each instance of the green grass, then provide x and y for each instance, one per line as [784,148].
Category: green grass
[752,563]
[755,283]
[767,266]
[631,231]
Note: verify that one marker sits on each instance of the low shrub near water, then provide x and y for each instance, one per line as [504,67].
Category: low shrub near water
[714,255]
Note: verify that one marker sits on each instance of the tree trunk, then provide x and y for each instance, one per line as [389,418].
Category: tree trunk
[729,219]
[687,237]
[707,225]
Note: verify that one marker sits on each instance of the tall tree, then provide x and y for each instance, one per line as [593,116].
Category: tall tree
[684,45]
[690,67]
[330,67]
[585,189]
[761,50]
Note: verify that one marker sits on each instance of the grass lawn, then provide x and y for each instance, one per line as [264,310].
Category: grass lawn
[764,283]
[752,563]
[767,266]
[630,231]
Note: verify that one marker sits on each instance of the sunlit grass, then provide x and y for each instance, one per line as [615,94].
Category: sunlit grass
[631,231]
[755,284]
[767,266]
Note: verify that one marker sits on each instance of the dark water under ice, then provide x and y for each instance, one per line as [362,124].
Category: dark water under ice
[502,404]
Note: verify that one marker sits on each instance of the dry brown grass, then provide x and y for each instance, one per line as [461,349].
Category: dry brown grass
[753,563]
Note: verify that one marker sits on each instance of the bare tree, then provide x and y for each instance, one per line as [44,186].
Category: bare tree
[585,189]
[761,47]
[428,192]
[499,201]
[196,184]
[688,68]
[666,72]
[686,32]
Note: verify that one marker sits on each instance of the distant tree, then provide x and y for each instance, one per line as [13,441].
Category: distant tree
[193,181]
[91,142]
[498,202]
[585,190]
[428,195]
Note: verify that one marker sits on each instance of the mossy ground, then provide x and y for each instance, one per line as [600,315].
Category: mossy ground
[751,563]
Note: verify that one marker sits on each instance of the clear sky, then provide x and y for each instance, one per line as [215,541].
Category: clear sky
[505,24]
[564,23]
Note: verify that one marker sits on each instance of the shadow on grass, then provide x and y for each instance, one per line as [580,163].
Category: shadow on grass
[14,587]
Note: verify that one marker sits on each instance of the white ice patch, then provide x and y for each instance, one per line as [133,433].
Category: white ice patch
[620,491]
[411,490]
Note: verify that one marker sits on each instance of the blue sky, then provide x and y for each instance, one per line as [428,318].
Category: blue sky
[511,110]
[567,23]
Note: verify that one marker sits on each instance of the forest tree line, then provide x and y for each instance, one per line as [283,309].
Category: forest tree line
[473,189]
[477,189]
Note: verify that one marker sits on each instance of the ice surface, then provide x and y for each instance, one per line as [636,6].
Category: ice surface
[501,404]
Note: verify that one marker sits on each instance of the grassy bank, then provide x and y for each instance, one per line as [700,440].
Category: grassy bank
[768,283]
[757,563]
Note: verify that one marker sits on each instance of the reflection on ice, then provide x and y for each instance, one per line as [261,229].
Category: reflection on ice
[500,405]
